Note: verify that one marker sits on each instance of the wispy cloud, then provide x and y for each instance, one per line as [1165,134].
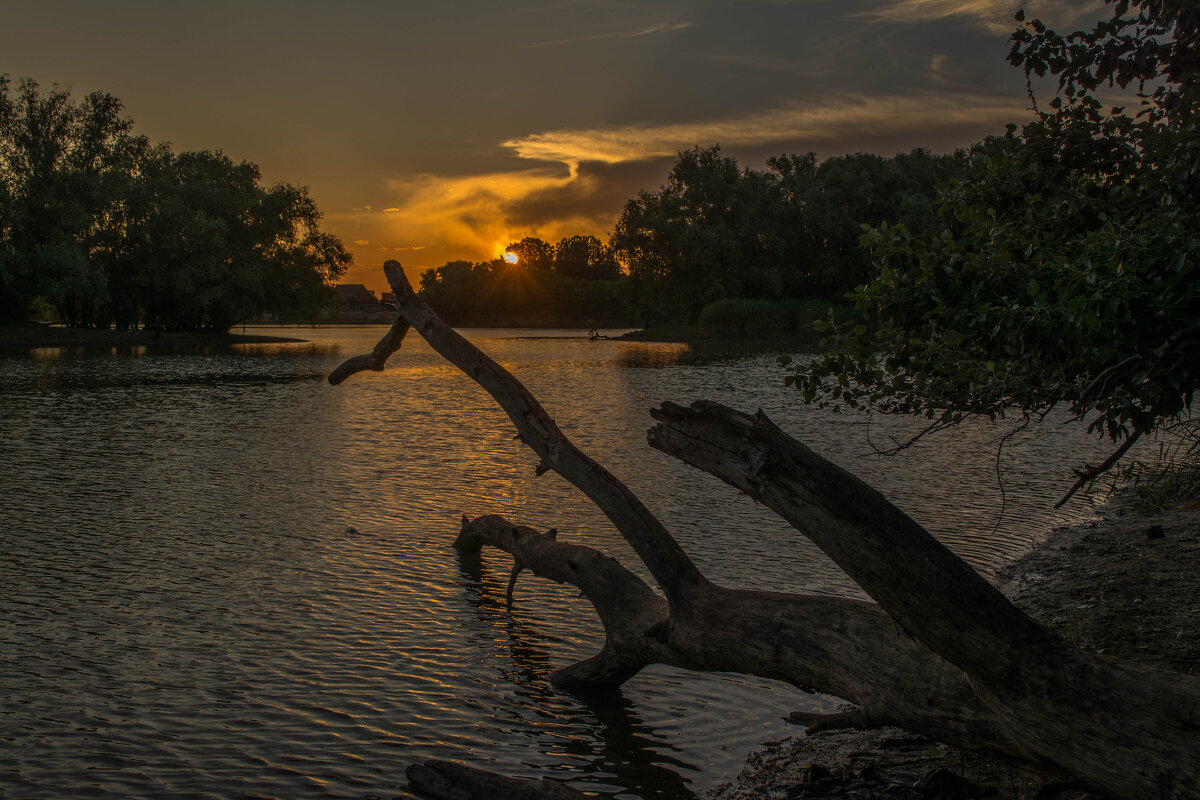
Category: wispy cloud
[931,10]
[441,217]
[996,16]
[815,124]
[943,72]
[663,27]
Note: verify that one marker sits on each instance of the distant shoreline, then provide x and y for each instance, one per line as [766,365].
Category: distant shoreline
[680,333]
[33,335]
[699,337]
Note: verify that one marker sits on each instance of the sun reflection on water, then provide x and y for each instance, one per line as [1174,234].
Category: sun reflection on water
[225,565]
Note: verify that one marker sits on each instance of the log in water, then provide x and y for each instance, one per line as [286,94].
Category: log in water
[220,575]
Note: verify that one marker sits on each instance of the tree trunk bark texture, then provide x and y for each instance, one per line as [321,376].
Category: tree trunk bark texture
[940,652]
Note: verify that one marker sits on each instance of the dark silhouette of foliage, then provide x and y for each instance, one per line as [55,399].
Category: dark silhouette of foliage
[576,283]
[111,229]
[792,319]
[714,232]
[717,231]
[1069,277]
[533,253]
[62,168]
[587,258]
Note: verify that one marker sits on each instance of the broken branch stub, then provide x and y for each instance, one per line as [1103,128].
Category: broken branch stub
[377,358]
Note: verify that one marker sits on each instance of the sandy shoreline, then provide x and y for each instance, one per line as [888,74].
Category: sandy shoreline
[1122,584]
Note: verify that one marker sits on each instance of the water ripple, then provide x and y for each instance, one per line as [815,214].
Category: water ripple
[223,578]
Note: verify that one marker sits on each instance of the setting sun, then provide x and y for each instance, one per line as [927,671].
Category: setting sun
[511,258]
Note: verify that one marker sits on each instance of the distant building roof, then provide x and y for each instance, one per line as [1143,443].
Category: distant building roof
[355,294]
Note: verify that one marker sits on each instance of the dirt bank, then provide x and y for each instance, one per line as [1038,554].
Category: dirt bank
[1124,584]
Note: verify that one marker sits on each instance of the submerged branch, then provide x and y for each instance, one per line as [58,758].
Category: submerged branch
[849,648]
[944,653]
[671,567]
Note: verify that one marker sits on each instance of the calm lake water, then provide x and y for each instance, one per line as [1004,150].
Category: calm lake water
[222,577]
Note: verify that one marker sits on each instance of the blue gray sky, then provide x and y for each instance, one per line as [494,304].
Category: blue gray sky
[433,131]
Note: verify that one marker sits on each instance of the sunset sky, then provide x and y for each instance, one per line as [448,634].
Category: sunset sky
[430,131]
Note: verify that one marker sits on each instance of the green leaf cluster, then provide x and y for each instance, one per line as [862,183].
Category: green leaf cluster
[1067,271]
[110,228]
[716,231]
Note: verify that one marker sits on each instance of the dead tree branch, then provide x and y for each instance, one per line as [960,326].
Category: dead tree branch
[375,359]
[943,653]
[1090,715]
[671,567]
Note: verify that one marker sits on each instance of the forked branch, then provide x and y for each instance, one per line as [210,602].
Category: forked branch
[671,567]
[968,667]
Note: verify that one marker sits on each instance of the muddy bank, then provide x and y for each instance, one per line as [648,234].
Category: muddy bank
[1123,584]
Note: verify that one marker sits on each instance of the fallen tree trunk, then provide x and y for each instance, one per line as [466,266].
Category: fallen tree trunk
[849,648]
[1125,729]
[941,653]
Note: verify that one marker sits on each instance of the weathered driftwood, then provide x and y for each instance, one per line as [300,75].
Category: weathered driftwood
[378,356]
[1128,730]
[941,653]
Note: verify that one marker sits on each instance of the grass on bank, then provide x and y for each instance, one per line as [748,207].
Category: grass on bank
[1172,479]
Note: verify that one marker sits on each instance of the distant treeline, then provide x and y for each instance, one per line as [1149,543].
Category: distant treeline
[107,227]
[577,282]
[714,232]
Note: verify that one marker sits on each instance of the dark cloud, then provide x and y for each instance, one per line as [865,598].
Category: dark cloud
[454,113]
[597,191]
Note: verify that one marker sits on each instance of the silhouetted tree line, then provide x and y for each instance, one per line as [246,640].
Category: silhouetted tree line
[717,231]
[577,282]
[110,228]
[714,232]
